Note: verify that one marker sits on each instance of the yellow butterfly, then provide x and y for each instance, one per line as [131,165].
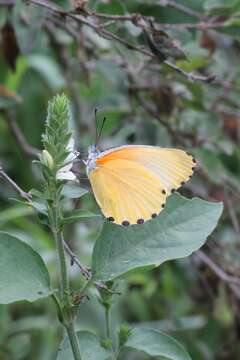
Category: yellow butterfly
[131,182]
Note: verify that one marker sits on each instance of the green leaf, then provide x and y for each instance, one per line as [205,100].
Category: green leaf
[90,348]
[181,228]
[23,274]
[39,194]
[48,69]
[78,214]
[156,343]
[39,206]
[73,191]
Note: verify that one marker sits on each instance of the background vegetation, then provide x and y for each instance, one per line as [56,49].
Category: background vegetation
[99,56]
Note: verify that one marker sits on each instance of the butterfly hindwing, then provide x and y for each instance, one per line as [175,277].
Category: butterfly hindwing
[131,183]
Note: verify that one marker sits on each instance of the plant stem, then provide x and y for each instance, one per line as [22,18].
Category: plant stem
[64,283]
[67,313]
[107,318]
[73,341]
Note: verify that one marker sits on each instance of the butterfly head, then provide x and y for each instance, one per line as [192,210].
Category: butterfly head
[93,152]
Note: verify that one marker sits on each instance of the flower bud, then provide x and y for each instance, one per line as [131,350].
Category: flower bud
[47,160]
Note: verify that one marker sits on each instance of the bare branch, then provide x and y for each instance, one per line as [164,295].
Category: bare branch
[217,270]
[111,36]
[85,272]
[191,76]
[180,7]
[12,183]
[17,133]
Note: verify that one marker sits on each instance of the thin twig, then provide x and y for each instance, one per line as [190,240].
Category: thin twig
[180,7]
[136,18]
[12,183]
[111,36]
[217,270]
[17,133]
[232,213]
[191,76]
[85,272]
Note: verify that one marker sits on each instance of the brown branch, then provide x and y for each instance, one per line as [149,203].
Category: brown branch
[12,183]
[85,272]
[199,26]
[111,36]
[17,133]
[191,76]
[217,270]
[232,213]
[180,7]
[136,19]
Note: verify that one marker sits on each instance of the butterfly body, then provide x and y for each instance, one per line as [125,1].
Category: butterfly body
[131,182]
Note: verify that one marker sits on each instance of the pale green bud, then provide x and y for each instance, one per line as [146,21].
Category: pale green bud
[47,160]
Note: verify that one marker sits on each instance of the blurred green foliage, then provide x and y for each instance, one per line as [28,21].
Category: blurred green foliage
[43,53]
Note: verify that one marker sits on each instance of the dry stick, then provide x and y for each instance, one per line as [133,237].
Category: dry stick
[232,213]
[12,183]
[17,133]
[180,7]
[190,76]
[108,35]
[74,259]
[135,18]
[85,272]
[217,270]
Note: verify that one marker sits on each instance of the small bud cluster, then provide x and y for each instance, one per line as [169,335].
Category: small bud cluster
[58,154]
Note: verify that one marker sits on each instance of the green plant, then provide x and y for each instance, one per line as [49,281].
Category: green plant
[181,228]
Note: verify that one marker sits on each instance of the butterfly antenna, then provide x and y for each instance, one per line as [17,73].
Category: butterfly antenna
[95,118]
[100,131]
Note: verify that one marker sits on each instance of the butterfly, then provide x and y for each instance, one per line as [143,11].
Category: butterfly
[132,182]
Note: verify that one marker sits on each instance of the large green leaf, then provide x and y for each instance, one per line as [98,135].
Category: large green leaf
[156,343]
[23,274]
[90,348]
[179,230]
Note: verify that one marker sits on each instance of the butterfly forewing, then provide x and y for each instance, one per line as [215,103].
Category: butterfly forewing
[131,183]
